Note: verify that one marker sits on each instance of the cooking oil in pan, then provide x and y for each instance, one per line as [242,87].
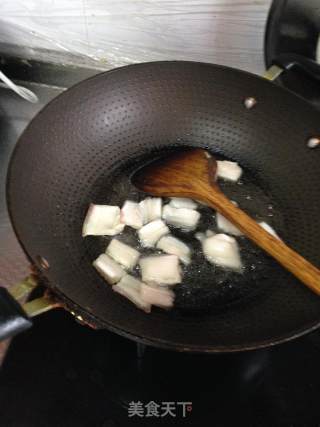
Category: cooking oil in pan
[206,286]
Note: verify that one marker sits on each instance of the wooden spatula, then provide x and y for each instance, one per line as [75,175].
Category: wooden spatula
[191,173]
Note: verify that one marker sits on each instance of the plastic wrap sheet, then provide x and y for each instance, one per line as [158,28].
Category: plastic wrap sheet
[114,33]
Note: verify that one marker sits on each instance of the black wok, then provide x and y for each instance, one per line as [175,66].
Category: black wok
[70,154]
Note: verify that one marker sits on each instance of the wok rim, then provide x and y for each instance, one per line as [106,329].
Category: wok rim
[70,306]
[92,322]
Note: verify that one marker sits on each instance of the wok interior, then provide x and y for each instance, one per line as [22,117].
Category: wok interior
[72,150]
[205,287]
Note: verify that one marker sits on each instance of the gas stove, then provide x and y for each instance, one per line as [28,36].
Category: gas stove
[63,374]
[60,373]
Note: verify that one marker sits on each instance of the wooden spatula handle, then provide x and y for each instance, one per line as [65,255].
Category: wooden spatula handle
[287,257]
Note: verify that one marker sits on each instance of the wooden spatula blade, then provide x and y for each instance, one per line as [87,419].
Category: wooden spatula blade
[191,173]
[170,176]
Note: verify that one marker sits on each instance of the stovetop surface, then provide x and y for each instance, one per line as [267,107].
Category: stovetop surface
[63,374]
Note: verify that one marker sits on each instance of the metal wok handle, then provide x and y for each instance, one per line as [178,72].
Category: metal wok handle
[16,318]
[292,61]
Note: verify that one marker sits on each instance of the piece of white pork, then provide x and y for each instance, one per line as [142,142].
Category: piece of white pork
[187,219]
[172,245]
[222,250]
[161,297]
[230,171]
[102,220]
[130,288]
[225,225]
[269,229]
[131,214]
[151,209]
[109,269]
[161,270]
[150,233]
[182,202]
[123,254]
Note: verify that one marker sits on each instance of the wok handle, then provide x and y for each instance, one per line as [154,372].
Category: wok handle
[287,257]
[16,318]
[289,61]
[13,318]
